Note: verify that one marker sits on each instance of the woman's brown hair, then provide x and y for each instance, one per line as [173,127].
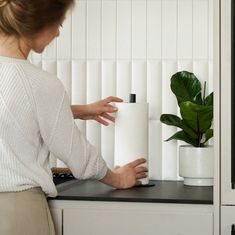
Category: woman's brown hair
[25,18]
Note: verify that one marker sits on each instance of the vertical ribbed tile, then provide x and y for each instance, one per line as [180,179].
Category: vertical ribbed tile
[93,81]
[200,29]
[107,132]
[123,80]
[139,80]
[154,29]
[64,74]
[211,76]
[124,29]
[50,52]
[109,29]
[108,78]
[169,105]
[154,88]
[155,150]
[94,94]
[79,30]
[139,29]
[65,39]
[94,29]
[211,29]
[169,154]
[185,29]
[169,29]
[79,82]
[35,56]
[79,88]
[185,65]
[201,70]
[50,66]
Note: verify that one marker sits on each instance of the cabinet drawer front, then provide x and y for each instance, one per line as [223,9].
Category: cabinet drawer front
[57,219]
[227,219]
[87,221]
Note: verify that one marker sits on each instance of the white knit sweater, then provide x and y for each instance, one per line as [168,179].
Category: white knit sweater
[36,119]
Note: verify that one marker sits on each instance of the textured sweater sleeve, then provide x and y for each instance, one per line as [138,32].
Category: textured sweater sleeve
[61,134]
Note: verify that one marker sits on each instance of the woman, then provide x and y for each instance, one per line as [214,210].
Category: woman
[36,118]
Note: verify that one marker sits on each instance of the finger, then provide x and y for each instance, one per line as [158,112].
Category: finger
[141,169]
[116,167]
[109,117]
[137,162]
[137,183]
[109,109]
[101,121]
[113,99]
[141,175]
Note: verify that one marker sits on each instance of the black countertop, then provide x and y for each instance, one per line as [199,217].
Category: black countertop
[162,192]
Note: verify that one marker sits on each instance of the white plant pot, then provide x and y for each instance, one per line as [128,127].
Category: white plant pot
[196,165]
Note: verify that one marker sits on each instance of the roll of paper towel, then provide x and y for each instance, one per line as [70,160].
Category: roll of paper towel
[131,134]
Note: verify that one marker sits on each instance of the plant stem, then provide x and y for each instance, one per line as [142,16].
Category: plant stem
[198,132]
[204,93]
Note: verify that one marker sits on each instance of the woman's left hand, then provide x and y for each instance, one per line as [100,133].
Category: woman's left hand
[98,111]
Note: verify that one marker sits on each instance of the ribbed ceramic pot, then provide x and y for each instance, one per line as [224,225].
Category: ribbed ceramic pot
[196,165]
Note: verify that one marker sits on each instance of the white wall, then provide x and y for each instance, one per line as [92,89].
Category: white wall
[115,47]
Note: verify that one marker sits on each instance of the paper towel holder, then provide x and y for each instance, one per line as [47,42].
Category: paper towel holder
[150,184]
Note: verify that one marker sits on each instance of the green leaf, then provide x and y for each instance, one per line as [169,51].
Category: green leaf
[189,130]
[181,135]
[171,120]
[209,100]
[186,87]
[208,135]
[198,117]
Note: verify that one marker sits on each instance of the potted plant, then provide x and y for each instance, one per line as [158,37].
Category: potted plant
[196,158]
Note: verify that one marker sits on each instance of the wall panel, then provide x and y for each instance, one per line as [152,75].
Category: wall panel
[124,12]
[139,49]
[94,29]
[115,47]
[169,29]
[109,29]
[200,29]
[154,29]
[79,30]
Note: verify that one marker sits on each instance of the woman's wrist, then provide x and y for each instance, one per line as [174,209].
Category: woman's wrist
[78,111]
[111,179]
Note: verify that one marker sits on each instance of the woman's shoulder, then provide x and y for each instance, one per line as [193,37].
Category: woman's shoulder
[41,80]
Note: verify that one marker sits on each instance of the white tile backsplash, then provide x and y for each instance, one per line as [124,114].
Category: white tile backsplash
[114,47]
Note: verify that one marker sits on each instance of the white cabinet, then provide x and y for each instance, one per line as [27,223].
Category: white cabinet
[56,214]
[115,218]
[227,219]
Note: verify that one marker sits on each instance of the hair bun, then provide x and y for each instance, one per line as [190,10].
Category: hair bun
[3,3]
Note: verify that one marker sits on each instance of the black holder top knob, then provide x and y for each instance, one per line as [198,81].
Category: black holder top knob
[132,98]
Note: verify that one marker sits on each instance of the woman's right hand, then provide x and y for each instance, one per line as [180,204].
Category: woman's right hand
[126,176]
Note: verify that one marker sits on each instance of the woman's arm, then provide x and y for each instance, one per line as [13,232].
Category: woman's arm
[98,111]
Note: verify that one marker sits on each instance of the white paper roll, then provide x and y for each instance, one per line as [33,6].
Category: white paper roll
[131,134]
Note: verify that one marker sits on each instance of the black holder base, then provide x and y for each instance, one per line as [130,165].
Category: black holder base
[145,185]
